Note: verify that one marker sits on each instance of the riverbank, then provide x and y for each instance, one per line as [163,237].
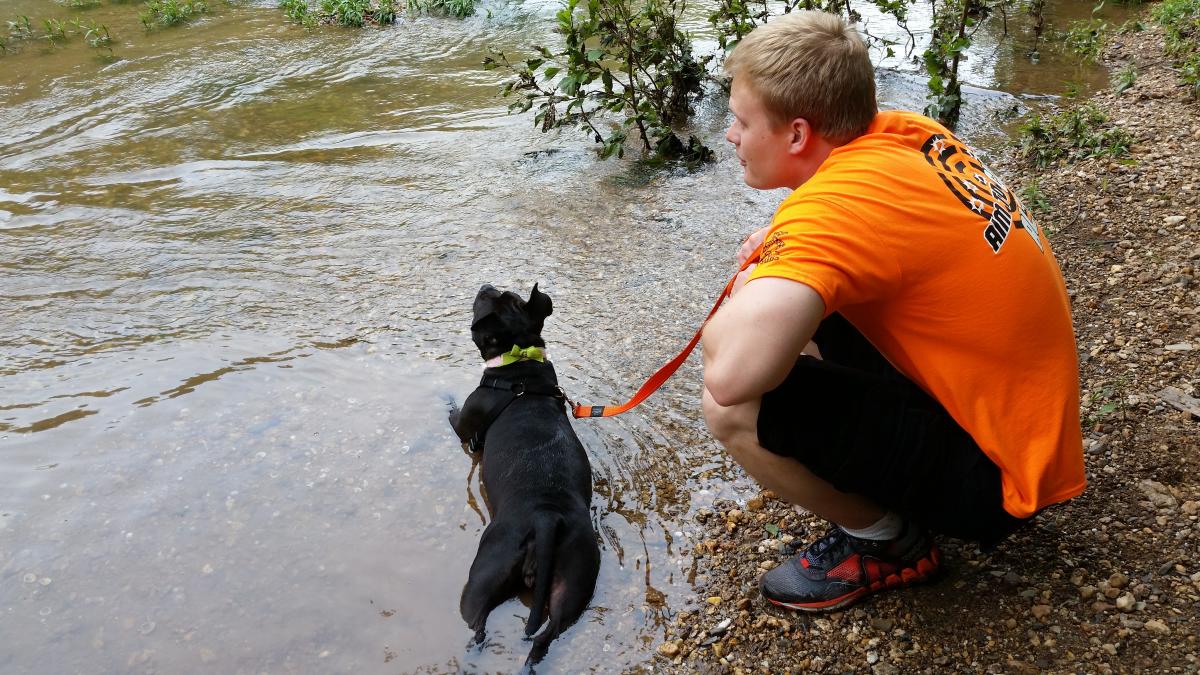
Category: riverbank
[1107,582]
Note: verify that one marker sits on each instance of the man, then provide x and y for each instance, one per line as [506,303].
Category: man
[901,357]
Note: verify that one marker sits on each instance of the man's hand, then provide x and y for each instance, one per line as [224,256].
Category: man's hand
[749,247]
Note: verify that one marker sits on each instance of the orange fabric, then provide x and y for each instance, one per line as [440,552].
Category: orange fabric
[935,262]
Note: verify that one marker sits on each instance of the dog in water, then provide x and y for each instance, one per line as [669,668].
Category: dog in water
[536,475]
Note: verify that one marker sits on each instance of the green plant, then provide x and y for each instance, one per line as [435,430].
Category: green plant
[352,13]
[19,28]
[1085,38]
[619,57]
[1180,20]
[96,35]
[1033,197]
[80,4]
[56,32]
[298,11]
[171,12]
[1070,135]
[947,45]
[1125,79]
[386,12]
[458,8]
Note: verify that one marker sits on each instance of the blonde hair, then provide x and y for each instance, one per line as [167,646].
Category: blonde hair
[813,65]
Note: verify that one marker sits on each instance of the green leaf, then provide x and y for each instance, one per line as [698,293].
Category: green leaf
[550,72]
[772,529]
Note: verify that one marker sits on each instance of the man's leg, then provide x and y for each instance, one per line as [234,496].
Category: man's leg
[879,551]
[736,427]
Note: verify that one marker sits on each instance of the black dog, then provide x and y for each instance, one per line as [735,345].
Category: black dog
[536,475]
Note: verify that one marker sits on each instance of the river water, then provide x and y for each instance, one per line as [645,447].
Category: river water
[236,270]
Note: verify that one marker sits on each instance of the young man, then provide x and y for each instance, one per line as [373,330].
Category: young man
[942,389]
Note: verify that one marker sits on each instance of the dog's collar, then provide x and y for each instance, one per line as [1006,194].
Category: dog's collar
[515,355]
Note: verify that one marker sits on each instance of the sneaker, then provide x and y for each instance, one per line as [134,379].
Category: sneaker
[838,570]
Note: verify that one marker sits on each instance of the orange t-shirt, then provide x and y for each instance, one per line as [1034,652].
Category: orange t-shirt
[933,259]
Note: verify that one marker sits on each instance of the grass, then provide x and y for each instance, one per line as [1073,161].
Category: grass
[164,13]
[1071,135]
[1125,79]
[1180,20]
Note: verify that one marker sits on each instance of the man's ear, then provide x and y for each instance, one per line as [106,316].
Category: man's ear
[802,135]
[539,304]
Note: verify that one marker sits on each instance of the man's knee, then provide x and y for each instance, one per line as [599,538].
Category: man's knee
[734,426]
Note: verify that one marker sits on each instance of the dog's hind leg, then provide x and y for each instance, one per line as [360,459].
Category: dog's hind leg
[577,561]
[494,576]
[545,541]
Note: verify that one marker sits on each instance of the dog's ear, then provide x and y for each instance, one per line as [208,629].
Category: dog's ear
[539,304]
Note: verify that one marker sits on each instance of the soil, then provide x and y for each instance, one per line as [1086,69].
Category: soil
[1109,581]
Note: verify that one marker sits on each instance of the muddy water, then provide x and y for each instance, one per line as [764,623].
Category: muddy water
[236,265]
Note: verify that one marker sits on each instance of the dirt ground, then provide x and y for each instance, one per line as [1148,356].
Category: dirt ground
[1107,582]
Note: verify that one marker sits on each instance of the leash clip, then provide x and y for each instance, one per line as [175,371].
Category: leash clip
[518,389]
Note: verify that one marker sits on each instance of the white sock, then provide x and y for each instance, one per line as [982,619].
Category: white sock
[888,527]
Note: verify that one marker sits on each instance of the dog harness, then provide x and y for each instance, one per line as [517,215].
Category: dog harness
[517,388]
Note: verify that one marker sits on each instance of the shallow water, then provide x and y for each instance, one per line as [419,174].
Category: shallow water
[236,268]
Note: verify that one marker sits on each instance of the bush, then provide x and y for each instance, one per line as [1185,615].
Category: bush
[620,57]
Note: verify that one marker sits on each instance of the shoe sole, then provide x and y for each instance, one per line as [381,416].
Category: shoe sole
[907,577]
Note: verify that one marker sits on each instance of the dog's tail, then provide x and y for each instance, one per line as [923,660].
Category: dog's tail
[545,540]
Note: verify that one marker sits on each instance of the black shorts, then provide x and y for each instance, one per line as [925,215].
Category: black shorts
[854,420]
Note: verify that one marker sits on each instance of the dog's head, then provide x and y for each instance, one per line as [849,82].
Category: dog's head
[503,319]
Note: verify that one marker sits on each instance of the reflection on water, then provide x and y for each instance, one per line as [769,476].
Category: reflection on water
[237,269]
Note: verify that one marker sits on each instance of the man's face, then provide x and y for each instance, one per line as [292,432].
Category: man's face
[762,144]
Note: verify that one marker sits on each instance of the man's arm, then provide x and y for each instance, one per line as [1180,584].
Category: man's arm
[751,344]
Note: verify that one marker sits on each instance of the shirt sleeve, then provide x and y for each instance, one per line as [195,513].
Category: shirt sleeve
[823,246]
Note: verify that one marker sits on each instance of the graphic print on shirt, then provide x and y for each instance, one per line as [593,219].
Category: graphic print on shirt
[979,190]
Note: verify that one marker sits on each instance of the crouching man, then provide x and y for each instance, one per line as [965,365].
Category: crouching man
[900,360]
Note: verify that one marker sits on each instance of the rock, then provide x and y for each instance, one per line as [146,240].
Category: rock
[1087,592]
[720,628]
[1118,580]
[1158,494]
[1173,220]
[754,504]
[1125,602]
[1041,611]
[872,657]
[1157,627]
[669,649]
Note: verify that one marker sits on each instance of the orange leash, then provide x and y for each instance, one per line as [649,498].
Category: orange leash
[656,380]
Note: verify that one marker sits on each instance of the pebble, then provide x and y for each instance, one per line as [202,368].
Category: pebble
[669,649]
[1174,220]
[1126,602]
[1157,626]
[1041,611]
[720,628]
